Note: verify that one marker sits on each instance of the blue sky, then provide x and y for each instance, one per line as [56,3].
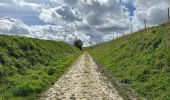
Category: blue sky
[131,7]
[92,21]
[28,15]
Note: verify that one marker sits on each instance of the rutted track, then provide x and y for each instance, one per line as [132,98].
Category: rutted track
[82,82]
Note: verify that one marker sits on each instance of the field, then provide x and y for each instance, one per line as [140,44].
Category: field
[29,66]
[141,60]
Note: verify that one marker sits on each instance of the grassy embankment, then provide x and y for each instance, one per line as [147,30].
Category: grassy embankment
[29,66]
[141,60]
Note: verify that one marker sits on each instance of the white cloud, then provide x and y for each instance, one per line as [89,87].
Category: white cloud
[96,14]
[13,26]
[23,3]
[92,21]
[92,17]
[154,11]
[108,37]
[59,33]
[60,14]
[3,4]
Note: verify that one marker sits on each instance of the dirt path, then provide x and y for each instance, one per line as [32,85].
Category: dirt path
[82,82]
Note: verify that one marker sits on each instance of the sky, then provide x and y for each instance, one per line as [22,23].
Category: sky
[92,21]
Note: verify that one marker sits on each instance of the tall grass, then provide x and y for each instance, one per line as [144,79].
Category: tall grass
[141,60]
[29,66]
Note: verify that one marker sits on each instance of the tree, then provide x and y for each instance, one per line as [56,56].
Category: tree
[78,44]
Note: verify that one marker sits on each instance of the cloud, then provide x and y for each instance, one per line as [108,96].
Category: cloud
[3,4]
[23,3]
[6,1]
[27,12]
[154,11]
[95,14]
[92,17]
[93,21]
[60,14]
[59,33]
[108,37]
[72,2]
[13,26]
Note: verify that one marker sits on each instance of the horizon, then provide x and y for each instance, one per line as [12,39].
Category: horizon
[92,21]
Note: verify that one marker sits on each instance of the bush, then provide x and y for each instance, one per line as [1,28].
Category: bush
[3,58]
[51,71]
[26,67]
[24,89]
[14,52]
[140,60]
[78,44]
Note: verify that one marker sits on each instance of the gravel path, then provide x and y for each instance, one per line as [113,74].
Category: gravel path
[82,82]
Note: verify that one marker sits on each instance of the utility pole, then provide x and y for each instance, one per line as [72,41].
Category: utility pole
[131,29]
[145,23]
[168,13]
[131,25]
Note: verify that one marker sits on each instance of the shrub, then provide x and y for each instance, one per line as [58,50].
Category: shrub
[140,60]
[51,71]
[15,52]
[126,81]
[3,58]
[24,65]
[78,44]
[24,89]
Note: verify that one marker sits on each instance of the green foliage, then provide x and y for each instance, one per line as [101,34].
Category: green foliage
[141,60]
[51,71]
[23,90]
[78,44]
[28,66]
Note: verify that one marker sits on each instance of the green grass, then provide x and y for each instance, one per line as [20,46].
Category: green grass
[29,66]
[141,60]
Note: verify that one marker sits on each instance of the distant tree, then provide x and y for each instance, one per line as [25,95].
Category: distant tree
[78,44]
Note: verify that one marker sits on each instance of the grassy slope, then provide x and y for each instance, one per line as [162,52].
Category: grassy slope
[141,60]
[29,66]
